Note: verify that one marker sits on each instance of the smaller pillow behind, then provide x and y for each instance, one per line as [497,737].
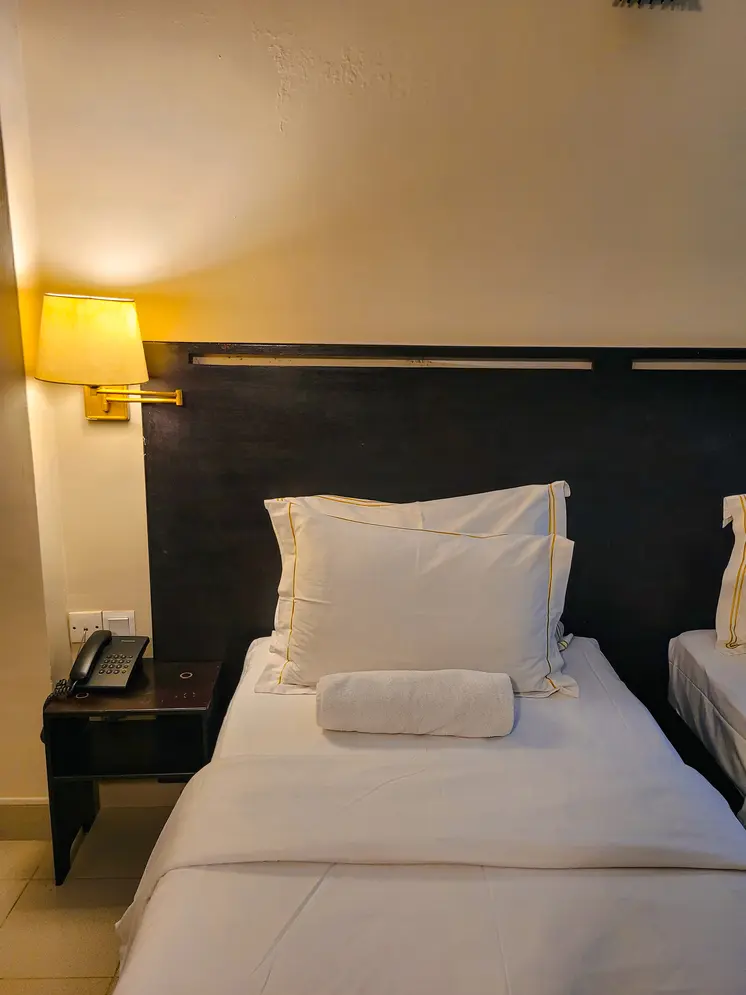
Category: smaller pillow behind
[374,597]
[731,612]
[534,509]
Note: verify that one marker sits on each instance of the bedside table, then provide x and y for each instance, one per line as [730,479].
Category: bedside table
[163,726]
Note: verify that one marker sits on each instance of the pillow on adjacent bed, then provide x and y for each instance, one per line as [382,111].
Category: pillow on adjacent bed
[364,597]
[731,611]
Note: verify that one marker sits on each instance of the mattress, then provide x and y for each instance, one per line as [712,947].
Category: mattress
[304,928]
[708,690]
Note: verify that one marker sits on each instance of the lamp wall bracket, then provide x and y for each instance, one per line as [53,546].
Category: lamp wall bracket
[112,403]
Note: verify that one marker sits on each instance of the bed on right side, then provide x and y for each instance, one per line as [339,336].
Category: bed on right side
[707,667]
[707,688]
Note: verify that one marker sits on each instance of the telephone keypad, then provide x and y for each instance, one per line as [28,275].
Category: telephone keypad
[112,670]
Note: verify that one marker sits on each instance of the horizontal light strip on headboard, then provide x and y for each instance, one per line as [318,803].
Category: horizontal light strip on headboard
[373,363]
[693,364]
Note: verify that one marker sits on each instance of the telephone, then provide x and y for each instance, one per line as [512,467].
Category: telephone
[104,663]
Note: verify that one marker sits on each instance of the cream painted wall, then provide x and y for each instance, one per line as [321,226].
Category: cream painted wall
[343,170]
[65,493]
[520,171]
[102,504]
[32,614]
[24,662]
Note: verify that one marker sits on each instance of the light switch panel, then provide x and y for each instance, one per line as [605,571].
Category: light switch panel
[121,623]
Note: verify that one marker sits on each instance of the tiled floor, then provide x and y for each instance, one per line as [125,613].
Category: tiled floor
[60,941]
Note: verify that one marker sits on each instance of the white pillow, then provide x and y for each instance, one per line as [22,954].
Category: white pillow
[375,597]
[536,509]
[731,613]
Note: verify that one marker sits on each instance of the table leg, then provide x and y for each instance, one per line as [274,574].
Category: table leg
[89,805]
[72,806]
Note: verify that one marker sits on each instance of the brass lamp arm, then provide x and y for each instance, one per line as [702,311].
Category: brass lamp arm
[142,396]
[111,403]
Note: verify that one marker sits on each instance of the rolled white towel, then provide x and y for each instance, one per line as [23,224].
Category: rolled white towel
[466,703]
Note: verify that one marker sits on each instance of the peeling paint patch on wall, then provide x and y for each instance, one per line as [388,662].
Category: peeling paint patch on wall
[298,68]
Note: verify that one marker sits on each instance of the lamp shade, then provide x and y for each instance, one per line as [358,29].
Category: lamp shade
[92,341]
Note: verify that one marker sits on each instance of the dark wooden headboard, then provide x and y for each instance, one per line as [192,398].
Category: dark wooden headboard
[649,456]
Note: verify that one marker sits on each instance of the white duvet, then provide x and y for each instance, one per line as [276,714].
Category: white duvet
[514,872]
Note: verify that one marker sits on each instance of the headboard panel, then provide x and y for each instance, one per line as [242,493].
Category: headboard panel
[649,456]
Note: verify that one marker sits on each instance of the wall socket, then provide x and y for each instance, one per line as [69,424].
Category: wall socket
[82,624]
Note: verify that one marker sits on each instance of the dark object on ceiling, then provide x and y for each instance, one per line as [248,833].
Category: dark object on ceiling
[660,4]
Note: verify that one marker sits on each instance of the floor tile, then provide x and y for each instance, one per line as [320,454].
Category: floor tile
[9,892]
[65,932]
[55,986]
[118,845]
[19,859]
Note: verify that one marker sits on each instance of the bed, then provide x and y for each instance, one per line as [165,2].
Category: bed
[666,915]
[707,689]
[576,856]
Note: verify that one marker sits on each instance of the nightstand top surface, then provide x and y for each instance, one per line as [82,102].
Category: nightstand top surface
[157,687]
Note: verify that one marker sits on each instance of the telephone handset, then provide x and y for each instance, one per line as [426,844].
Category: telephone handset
[104,663]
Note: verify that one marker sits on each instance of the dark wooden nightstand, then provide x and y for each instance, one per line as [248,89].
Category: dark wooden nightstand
[163,726]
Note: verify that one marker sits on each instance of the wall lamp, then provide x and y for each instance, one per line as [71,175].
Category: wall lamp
[95,342]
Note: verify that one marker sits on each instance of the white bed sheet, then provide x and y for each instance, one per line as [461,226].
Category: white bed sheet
[271,725]
[312,929]
[708,690]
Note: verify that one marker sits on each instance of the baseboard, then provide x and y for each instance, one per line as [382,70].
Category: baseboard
[24,819]
[28,818]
